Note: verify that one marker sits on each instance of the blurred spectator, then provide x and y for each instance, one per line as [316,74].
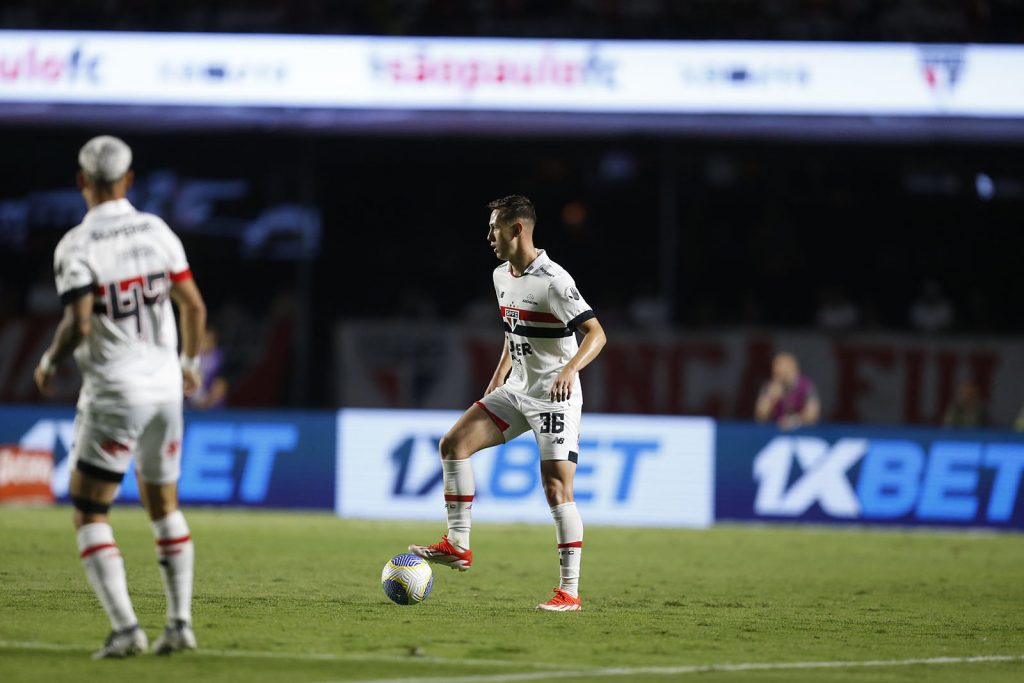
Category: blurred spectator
[214,390]
[1018,424]
[789,399]
[967,409]
[931,312]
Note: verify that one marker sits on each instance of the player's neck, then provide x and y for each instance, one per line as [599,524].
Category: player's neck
[522,259]
[95,199]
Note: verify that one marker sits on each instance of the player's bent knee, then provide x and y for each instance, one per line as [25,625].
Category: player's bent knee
[450,448]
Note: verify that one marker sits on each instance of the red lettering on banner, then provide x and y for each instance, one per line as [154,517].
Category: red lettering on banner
[711,353]
[913,383]
[946,390]
[851,385]
[629,378]
[388,385]
[983,369]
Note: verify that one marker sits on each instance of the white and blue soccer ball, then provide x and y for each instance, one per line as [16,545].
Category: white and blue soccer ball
[407,579]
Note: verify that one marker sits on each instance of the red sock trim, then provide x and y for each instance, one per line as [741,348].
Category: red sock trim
[572,544]
[458,499]
[173,541]
[502,425]
[95,549]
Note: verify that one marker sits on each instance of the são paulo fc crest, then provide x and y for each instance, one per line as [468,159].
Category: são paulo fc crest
[511,317]
[941,67]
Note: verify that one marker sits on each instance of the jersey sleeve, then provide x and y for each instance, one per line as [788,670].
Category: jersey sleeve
[567,303]
[72,274]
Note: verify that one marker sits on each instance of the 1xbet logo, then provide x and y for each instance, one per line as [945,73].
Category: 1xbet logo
[951,481]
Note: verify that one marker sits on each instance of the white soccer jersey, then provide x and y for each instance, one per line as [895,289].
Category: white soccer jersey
[128,260]
[540,309]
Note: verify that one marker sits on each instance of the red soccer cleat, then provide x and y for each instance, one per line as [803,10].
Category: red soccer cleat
[444,553]
[562,602]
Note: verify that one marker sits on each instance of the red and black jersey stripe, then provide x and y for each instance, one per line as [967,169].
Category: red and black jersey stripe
[541,332]
[523,317]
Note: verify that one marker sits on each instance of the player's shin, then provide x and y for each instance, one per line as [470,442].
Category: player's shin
[569,535]
[459,489]
[104,567]
[176,555]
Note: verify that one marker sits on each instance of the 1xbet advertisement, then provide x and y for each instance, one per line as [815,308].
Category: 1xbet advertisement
[236,457]
[870,476]
[639,471]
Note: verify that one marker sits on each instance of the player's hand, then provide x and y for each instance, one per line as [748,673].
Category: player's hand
[561,388]
[191,381]
[44,379]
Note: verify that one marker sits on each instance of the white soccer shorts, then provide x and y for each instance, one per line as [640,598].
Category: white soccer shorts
[152,433]
[556,425]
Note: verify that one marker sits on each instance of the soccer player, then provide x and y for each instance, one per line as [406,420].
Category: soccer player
[535,386]
[116,273]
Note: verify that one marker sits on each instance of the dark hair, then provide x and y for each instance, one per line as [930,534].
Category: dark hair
[512,207]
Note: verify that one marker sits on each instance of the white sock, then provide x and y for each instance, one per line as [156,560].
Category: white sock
[569,535]
[104,567]
[176,555]
[459,489]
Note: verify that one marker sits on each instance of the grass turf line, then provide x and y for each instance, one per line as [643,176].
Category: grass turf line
[309,584]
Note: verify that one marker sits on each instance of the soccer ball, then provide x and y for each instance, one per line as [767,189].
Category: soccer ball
[407,579]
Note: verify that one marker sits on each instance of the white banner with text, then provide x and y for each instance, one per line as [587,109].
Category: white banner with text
[522,75]
[644,471]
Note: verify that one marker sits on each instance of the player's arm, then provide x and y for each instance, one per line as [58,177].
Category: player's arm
[500,372]
[593,341]
[73,327]
[191,322]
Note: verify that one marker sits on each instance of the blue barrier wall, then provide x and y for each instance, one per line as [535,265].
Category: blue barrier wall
[383,464]
[253,458]
[861,475]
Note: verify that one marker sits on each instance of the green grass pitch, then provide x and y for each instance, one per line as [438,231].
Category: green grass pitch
[297,597]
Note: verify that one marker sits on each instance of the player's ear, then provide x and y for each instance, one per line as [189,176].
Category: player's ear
[517,229]
[80,180]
